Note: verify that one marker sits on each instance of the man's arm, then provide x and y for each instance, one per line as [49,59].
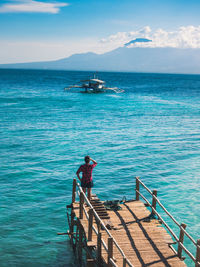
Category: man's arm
[77,173]
[93,161]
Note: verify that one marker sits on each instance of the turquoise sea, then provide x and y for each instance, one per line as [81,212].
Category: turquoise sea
[152,130]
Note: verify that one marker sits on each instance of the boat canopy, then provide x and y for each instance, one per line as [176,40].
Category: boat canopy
[94,80]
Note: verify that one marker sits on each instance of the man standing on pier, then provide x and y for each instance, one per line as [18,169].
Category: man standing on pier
[86,181]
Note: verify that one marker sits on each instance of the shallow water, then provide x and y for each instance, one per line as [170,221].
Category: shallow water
[152,131]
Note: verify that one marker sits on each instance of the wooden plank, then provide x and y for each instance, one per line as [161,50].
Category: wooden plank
[91,243]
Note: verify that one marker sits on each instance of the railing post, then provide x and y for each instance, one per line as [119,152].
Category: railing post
[110,250]
[74,191]
[81,205]
[154,200]
[99,249]
[181,239]
[137,187]
[98,225]
[124,262]
[198,253]
[91,213]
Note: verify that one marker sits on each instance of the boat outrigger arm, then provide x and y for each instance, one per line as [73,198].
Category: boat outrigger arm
[95,86]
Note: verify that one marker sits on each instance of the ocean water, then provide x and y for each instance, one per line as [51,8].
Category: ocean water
[152,130]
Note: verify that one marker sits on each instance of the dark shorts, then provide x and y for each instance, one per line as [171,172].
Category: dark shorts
[87,185]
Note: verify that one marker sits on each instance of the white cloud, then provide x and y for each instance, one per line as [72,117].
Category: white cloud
[31,6]
[183,37]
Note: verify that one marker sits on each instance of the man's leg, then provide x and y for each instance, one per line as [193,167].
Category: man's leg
[89,191]
[84,189]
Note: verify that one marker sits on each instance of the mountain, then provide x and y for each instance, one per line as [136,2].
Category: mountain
[134,59]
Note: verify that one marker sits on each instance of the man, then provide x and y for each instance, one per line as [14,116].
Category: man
[86,181]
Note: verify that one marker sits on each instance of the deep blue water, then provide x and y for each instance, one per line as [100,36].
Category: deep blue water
[152,130]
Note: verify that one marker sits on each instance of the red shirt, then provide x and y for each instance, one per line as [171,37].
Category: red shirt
[86,170]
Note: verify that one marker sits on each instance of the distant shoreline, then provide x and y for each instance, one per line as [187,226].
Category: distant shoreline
[102,71]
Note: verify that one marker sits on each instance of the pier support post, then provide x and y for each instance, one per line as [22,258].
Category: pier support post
[181,239]
[90,263]
[81,205]
[110,250]
[74,191]
[91,213]
[72,226]
[154,200]
[198,253]
[80,240]
[137,188]
[99,249]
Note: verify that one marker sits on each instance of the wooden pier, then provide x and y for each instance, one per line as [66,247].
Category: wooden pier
[131,235]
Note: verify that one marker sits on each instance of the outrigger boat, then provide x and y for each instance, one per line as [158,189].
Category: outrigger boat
[95,85]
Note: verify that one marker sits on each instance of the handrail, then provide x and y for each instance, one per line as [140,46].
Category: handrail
[112,262]
[182,230]
[95,230]
[102,225]
[158,201]
[167,212]
[174,220]
[170,230]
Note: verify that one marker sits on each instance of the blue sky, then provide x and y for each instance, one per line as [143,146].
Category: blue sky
[34,30]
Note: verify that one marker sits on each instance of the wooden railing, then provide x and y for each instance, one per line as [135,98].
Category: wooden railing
[183,232]
[90,215]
